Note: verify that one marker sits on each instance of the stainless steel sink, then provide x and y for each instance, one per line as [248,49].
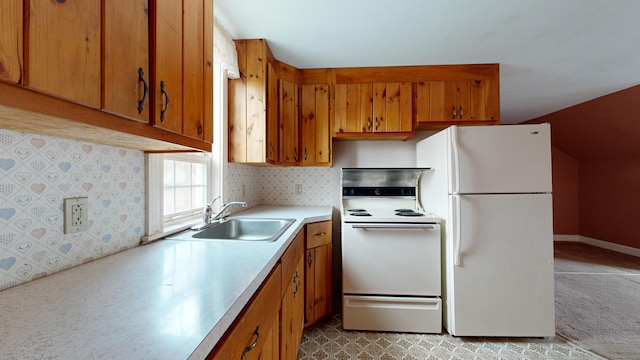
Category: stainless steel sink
[243,229]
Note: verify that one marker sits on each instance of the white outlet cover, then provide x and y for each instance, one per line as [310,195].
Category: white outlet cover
[81,215]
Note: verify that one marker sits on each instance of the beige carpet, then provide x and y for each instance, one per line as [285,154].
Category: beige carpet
[598,299]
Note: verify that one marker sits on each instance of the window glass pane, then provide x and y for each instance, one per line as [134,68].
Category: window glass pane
[183,173]
[183,199]
[169,202]
[199,194]
[169,172]
[198,172]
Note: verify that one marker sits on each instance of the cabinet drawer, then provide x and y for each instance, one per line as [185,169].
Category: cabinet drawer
[254,323]
[290,259]
[318,234]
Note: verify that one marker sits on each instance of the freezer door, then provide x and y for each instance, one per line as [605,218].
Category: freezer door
[500,159]
[503,285]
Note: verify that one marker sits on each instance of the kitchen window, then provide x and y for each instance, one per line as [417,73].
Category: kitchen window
[180,184]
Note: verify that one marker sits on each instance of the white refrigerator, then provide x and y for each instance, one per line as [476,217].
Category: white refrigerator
[492,187]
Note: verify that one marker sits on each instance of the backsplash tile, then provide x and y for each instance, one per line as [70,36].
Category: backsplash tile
[36,173]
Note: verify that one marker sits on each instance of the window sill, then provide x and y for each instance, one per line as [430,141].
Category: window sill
[173,228]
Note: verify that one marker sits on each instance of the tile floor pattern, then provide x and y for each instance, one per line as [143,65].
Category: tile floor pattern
[327,341]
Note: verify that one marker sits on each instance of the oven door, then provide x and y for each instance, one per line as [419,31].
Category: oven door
[391,259]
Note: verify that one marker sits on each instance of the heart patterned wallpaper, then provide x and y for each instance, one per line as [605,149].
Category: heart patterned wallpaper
[36,173]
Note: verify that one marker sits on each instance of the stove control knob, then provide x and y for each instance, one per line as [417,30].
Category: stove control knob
[377,191]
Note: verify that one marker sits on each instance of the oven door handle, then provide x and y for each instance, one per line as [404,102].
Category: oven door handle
[393,226]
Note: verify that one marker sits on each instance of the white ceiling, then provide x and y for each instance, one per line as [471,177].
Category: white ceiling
[552,53]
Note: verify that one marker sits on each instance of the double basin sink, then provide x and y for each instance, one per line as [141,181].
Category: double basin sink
[239,229]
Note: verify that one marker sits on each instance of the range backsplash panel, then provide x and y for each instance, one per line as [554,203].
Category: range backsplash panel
[36,173]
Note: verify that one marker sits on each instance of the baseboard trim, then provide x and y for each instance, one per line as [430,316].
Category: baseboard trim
[599,243]
[566,238]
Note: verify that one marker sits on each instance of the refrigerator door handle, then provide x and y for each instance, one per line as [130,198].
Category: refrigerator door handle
[455,166]
[457,243]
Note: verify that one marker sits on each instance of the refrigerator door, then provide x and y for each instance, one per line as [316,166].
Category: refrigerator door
[500,159]
[503,285]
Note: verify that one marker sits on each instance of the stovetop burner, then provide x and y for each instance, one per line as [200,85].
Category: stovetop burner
[360,214]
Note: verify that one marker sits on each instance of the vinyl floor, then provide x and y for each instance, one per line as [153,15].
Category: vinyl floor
[597,317]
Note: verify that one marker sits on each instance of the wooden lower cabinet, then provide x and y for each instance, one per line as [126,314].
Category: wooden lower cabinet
[318,272]
[255,332]
[292,314]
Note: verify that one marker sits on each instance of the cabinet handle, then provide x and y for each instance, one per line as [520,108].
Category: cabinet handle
[454,112]
[145,86]
[166,103]
[253,344]
[296,282]
[377,124]
[305,154]
[321,234]
[295,154]
[461,112]
[369,124]
[309,259]
[270,150]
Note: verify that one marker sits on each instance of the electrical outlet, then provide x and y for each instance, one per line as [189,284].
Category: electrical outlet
[76,214]
[298,189]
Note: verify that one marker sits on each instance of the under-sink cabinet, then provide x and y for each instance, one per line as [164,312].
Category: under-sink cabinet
[271,325]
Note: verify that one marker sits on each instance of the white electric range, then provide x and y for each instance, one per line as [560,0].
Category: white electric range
[391,273]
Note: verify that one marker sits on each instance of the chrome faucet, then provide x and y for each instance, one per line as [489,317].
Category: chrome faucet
[208,212]
[221,216]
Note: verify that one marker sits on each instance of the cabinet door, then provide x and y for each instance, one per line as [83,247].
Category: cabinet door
[288,135]
[379,108]
[193,69]
[256,97]
[167,51]
[484,96]
[315,139]
[246,337]
[397,108]
[429,102]
[292,315]
[63,49]
[125,64]
[237,93]
[353,103]
[318,283]
[11,41]
[272,149]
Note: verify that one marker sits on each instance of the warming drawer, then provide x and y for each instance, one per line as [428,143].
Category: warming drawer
[386,313]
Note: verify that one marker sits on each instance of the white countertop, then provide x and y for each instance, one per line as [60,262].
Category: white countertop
[170,299]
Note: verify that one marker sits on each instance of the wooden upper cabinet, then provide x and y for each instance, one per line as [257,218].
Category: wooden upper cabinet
[288,123]
[376,108]
[440,103]
[167,36]
[182,67]
[125,71]
[63,49]
[193,69]
[11,41]
[253,105]
[392,107]
[315,141]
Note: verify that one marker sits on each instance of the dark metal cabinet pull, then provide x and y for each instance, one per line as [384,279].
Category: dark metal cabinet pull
[145,86]
[253,344]
[166,103]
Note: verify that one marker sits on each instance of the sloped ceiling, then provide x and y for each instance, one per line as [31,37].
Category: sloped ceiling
[552,53]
